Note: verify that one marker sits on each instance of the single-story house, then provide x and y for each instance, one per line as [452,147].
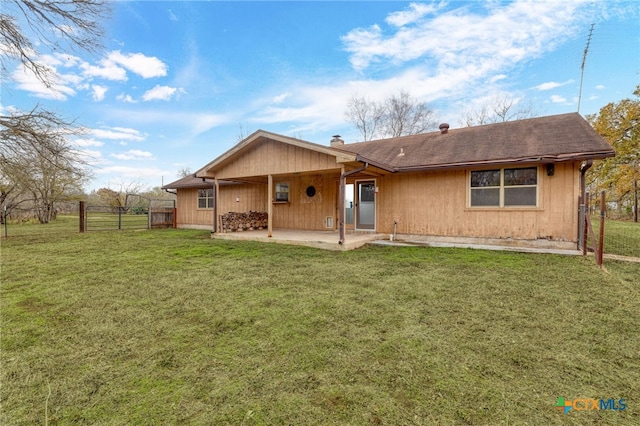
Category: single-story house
[515,182]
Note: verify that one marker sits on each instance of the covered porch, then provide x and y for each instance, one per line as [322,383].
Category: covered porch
[328,240]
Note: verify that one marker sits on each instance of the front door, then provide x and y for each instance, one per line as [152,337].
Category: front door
[366,205]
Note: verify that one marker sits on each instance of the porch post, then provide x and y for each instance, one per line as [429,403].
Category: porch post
[341,206]
[270,207]
[216,187]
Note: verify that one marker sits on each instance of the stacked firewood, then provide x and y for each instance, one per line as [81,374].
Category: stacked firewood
[234,221]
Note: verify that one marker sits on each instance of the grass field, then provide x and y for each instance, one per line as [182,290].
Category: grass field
[171,327]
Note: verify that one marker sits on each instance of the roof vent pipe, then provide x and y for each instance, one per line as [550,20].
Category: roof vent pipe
[336,141]
[444,128]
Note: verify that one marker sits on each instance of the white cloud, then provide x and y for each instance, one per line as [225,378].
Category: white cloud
[126,98]
[98,92]
[159,93]
[501,36]
[59,89]
[600,87]
[556,99]
[92,157]
[138,63]
[551,85]
[120,133]
[107,70]
[134,154]
[280,98]
[87,142]
[412,14]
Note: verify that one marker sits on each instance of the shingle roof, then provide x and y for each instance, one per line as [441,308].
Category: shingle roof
[189,182]
[544,139]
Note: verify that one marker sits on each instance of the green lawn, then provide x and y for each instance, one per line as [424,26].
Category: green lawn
[171,327]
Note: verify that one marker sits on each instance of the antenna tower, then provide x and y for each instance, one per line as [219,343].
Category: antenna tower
[584,59]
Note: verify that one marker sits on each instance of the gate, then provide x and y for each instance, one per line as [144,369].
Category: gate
[162,214]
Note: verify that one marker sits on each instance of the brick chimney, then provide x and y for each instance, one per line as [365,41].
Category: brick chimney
[336,141]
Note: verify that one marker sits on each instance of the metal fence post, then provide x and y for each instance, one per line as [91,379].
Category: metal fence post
[81,207]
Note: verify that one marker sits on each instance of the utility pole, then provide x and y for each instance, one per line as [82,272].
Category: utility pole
[584,59]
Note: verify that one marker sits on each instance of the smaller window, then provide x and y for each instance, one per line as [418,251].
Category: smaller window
[205,198]
[282,192]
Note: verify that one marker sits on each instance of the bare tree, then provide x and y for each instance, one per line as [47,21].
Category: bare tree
[39,131]
[398,115]
[497,110]
[365,115]
[406,116]
[122,197]
[34,144]
[41,168]
[29,26]
[184,172]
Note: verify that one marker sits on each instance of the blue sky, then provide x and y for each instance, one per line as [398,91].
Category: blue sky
[179,82]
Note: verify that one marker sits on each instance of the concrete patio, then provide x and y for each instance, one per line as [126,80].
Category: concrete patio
[327,240]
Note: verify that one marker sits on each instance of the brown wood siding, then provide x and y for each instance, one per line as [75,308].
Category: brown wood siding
[436,204]
[188,213]
[276,158]
[301,212]
[242,198]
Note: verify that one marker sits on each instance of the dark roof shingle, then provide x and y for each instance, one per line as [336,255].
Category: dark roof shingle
[189,182]
[544,139]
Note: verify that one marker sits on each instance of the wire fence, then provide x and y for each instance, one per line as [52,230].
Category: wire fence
[87,218]
[621,238]
[107,218]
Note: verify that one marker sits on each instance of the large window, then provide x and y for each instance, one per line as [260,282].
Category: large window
[504,188]
[282,191]
[205,198]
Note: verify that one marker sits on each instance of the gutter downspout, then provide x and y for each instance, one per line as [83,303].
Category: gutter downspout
[581,201]
[343,178]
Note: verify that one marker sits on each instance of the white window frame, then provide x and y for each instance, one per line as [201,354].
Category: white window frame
[208,198]
[502,187]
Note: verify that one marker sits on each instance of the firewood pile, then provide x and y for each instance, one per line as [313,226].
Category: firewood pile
[232,221]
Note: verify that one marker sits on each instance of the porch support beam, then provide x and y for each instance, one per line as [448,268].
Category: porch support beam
[270,206]
[216,189]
